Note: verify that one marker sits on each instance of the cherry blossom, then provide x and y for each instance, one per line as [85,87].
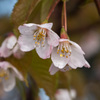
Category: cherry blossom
[67,55]
[8,73]
[64,94]
[38,36]
[9,47]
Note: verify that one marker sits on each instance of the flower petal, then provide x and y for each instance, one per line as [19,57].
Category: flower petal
[17,73]
[52,38]
[11,41]
[77,58]
[6,65]
[9,84]
[87,65]
[78,48]
[58,61]
[17,52]
[27,29]
[62,94]
[46,25]
[26,42]
[53,69]
[4,51]
[44,52]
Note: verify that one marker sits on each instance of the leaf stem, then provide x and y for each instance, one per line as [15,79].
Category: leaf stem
[52,9]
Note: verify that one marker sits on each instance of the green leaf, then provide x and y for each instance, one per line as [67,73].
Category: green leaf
[42,76]
[23,10]
[38,68]
[46,5]
[64,80]
[36,14]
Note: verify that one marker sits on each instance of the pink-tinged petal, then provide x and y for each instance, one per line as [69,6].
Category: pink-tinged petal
[77,47]
[46,25]
[6,65]
[66,68]
[17,52]
[73,93]
[62,94]
[77,59]
[44,52]
[9,84]
[11,41]
[58,61]
[53,69]
[17,73]
[27,29]
[52,38]
[26,43]
[64,40]
[4,51]
[87,65]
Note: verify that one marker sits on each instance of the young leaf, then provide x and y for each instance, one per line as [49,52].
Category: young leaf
[23,10]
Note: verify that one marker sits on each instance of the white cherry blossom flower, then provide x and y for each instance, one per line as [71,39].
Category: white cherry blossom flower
[64,94]
[68,55]
[9,47]
[8,73]
[38,36]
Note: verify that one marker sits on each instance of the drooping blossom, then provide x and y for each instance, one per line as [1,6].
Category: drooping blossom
[37,36]
[8,73]
[67,55]
[64,94]
[9,47]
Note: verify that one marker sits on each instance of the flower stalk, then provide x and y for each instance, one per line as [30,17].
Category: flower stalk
[63,33]
[52,9]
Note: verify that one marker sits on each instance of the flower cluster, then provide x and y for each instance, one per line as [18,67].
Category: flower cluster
[8,72]
[65,54]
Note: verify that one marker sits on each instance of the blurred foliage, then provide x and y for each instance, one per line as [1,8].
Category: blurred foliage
[38,68]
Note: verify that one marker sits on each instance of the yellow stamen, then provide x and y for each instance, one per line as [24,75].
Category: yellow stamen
[34,35]
[35,42]
[61,55]
[66,56]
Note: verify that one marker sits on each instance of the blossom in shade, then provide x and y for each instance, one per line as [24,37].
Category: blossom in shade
[9,47]
[64,94]
[67,55]
[37,36]
[8,73]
